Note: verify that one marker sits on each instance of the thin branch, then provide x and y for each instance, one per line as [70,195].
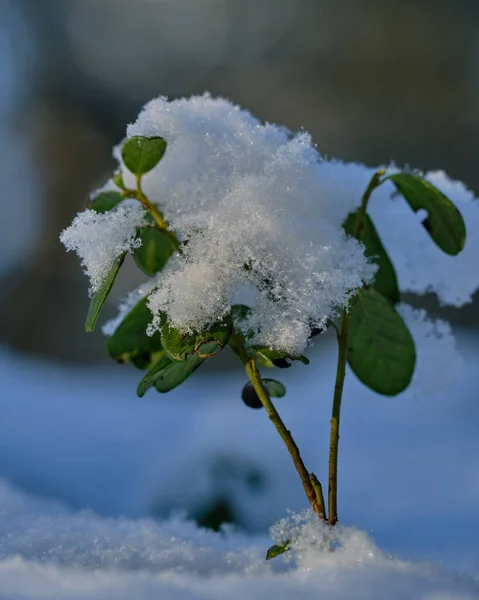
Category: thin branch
[335,420]
[342,336]
[255,378]
[159,219]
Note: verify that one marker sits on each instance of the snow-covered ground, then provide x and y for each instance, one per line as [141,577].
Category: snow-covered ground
[49,552]
[409,480]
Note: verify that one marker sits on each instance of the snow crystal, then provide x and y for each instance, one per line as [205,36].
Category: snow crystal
[99,239]
[439,365]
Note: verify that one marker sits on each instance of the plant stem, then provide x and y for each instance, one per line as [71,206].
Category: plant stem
[342,336]
[149,206]
[160,221]
[335,420]
[255,378]
[373,184]
[318,490]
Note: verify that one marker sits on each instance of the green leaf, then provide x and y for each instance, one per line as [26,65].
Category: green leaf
[155,250]
[274,388]
[205,343]
[385,280]
[105,201]
[169,374]
[276,550]
[140,154]
[98,299]
[444,222]
[277,358]
[381,350]
[129,342]
[118,180]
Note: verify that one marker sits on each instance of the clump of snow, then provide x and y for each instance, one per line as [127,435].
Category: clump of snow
[299,269]
[48,551]
[100,238]
[439,364]
[248,198]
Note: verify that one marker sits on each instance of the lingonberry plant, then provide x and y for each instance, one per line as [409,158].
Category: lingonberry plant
[253,243]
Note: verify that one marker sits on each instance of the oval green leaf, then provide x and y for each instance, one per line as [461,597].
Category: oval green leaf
[169,374]
[155,250]
[444,222]
[140,154]
[385,281]
[205,343]
[98,299]
[106,201]
[381,350]
[274,388]
[276,550]
[130,344]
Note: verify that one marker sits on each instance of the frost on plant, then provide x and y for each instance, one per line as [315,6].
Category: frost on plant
[99,239]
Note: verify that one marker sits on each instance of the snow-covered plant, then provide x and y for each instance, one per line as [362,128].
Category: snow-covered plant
[253,242]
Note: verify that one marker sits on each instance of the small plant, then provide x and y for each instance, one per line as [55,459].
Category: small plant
[251,244]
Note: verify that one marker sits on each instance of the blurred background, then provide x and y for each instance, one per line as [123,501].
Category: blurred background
[371,80]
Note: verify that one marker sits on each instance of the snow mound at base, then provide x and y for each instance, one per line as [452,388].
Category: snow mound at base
[48,551]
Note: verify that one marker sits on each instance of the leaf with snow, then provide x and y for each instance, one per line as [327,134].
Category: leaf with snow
[420,267]
[99,297]
[100,239]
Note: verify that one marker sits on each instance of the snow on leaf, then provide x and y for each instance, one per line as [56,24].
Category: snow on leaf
[100,238]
